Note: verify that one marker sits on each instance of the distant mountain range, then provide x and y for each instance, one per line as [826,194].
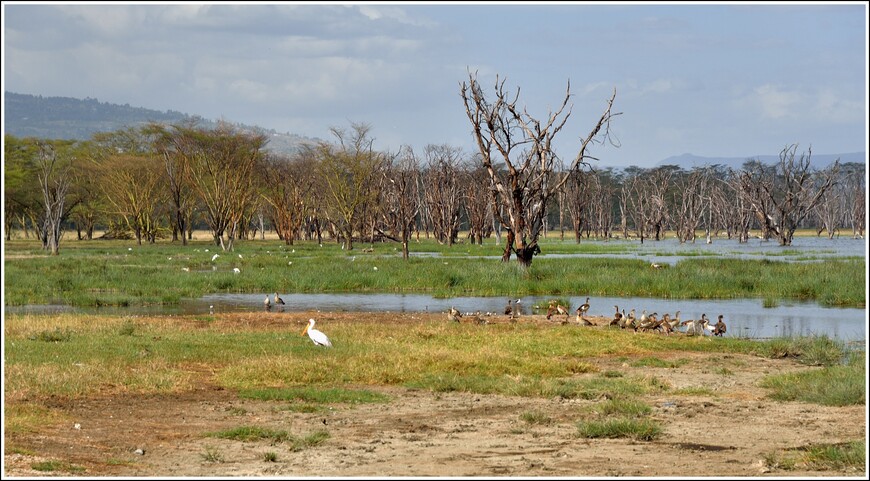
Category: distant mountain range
[77,119]
[817,161]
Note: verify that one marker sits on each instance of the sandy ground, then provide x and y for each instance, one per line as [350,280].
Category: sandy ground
[726,433]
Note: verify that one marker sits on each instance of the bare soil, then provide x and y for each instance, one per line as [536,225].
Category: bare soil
[726,433]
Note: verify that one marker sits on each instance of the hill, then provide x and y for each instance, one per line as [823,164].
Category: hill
[817,161]
[77,119]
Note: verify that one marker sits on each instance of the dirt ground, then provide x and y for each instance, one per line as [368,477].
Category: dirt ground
[419,433]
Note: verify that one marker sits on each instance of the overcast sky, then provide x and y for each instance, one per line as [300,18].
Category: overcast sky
[732,80]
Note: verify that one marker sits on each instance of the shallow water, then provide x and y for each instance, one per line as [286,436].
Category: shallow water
[744,317]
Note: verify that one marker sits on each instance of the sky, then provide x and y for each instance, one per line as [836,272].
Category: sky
[735,79]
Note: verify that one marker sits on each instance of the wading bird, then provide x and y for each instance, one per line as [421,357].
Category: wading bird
[316,336]
[266,302]
[453,314]
[278,300]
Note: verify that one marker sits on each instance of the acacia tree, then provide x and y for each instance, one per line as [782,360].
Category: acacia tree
[784,199]
[286,185]
[132,186]
[221,171]
[525,146]
[350,171]
[176,146]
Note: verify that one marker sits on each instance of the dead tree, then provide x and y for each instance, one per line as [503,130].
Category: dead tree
[525,146]
[443,191]
[477,202]
[783,200]
[53,175]
[401,196]
[692,200]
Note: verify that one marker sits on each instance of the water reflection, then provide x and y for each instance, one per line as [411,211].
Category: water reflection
[744,317]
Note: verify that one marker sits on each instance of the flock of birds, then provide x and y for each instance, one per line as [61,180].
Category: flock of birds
[645,323]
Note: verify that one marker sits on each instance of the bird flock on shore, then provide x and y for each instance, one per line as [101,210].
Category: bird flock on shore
[647,322]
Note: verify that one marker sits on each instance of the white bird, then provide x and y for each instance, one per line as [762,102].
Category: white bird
[215,257]
[267,302]
[236,270]
[278,300]
[318,337]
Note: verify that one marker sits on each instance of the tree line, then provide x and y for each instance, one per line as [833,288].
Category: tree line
[161,180]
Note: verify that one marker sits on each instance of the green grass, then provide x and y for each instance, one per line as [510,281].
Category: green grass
[839,385]
[52,466]
[821,457]
[637,429]
[656,362]
[623,407]
[107,273]
[252,433]
[536,417]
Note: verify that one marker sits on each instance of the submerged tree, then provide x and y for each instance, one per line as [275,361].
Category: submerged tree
[504,133]
[783,197]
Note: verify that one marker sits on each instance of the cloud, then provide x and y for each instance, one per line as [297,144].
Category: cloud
[776,103]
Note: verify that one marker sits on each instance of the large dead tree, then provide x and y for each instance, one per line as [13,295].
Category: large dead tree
[784,199]
[506,134]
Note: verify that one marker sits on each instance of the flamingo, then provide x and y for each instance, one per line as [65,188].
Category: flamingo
[316,336]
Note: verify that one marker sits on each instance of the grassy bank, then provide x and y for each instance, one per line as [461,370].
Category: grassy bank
[98,354]
[117,273]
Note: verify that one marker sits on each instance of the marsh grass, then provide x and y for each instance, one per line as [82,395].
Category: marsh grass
[56,335]
[89,273]
[270,456]
[809,350]
[821,457]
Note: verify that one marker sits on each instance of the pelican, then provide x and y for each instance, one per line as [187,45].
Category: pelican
[453,314]
[278,300]
[316,336]
[719,328]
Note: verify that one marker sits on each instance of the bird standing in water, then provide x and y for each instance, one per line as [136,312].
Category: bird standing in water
[316,336]
[278,300]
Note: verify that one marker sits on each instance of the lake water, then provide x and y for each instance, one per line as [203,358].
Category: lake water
[744,317]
